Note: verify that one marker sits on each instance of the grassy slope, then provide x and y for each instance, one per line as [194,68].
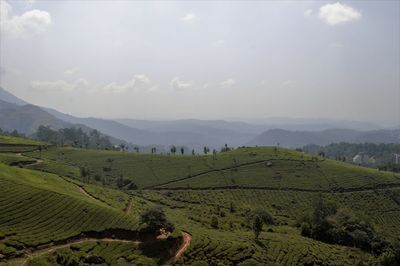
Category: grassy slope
[192,209]
[381,208]
[114,253]
[38,208]
[17,140]
[326,175]
[16,145]
[247,167]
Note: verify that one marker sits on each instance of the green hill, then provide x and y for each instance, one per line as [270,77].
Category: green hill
[46,200]
[245,167]
[42,208]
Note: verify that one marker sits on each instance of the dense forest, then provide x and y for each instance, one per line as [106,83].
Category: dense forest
[75,137]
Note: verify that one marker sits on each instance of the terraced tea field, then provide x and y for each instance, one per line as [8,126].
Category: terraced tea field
[42,208]
[51,214]
[245,167]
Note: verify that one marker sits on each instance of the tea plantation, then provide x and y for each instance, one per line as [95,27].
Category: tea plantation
[53,200]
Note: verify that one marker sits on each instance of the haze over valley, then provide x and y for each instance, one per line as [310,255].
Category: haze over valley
[199,133]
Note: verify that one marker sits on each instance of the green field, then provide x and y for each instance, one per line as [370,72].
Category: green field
[245,167]
[45,201]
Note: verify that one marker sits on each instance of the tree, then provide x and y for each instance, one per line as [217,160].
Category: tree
[40,151]
[232,207]
[320,225]
[214,222]
[84,174]
[14,133]
[182,150]
[257,226]
[122,182]
[132,186]
[225,148]
[155,219]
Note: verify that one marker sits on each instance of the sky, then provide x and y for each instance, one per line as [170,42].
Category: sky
[205,60]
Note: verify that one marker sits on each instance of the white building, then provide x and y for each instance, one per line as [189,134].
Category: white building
[396,158]
[362,159]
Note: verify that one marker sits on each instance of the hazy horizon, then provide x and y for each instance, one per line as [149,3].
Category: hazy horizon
[205,60]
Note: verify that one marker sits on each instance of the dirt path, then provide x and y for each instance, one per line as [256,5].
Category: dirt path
[83,191]
[160,186]
[184,246]
[38,162]
[49,250]
[129,206]
[32,254]
[339,190]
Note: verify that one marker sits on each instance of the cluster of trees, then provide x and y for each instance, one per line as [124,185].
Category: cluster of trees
[254,219]
[174,149]
[13,133]
[153,220]
[328,224]
[75,137]
[391,257]
[382,153]
[226,148]
[106,178]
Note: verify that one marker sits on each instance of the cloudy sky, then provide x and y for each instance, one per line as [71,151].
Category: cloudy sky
[207,60]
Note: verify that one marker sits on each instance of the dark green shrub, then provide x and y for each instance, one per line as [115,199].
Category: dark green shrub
[155,219]
[214,222]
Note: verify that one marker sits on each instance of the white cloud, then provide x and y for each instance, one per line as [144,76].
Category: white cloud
[308,13]
[59,85]
[335,14]
[30,23]
[228,83]
[70,71]
[142,78]
[178,84]
[139,82]
[190,17]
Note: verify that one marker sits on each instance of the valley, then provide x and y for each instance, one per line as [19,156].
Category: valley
[50,207]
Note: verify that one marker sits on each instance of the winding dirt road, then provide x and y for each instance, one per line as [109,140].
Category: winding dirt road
[24,262]
[32,254]
[184,246]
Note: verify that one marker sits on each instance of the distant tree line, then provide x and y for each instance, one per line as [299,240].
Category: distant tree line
[382,153]
[13,133]
[74,137]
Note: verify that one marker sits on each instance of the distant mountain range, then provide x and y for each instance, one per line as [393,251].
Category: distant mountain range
[26,118]
[295,139]
[193,133]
